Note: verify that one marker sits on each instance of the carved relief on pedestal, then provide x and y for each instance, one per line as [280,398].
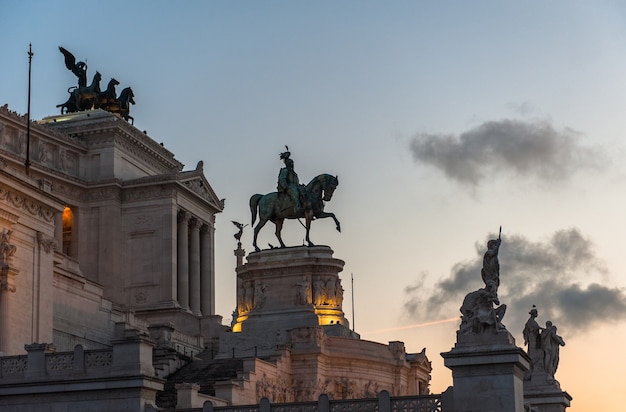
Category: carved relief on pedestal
[327,292]
[303,287]
[276,389]
[259,295]
[247,297]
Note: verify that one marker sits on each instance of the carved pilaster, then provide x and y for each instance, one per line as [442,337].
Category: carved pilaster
[7,281]
[47,243]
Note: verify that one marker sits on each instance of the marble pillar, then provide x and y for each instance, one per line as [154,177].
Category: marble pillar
[183,259]
[58,230]
[207,278]
[194,266]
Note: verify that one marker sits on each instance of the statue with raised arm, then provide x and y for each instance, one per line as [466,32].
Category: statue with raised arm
[491,265]
[78,68]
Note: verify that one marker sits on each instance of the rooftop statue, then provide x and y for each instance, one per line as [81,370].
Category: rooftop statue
[90,97]
[491,265]
[543,347]
[293,201]
[478,312]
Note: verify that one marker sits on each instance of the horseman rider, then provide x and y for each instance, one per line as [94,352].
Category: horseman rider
[288,181]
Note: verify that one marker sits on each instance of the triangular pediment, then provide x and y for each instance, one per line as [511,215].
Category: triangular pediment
[196,182]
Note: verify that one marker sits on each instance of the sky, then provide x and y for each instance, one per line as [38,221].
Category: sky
[443,121]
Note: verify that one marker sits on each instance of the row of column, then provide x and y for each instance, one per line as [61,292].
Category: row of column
[195,278]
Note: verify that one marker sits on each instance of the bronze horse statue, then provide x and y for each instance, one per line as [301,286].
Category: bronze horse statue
[82,98]
[276,207]
[121,106]
[107,97]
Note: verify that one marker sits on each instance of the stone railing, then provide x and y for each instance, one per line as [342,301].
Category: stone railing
[383,403]
[42,363]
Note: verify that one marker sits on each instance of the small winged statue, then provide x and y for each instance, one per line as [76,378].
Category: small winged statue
[240,226]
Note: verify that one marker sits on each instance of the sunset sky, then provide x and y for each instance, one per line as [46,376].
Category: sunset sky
[443,121]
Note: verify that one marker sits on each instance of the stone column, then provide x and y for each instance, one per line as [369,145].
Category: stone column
[7,287]
[207,277]
[183,259]
[194,266]
[58,230]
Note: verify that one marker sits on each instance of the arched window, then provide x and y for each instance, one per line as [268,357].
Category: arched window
[68,224]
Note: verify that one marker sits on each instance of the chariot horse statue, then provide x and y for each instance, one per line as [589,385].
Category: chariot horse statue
[276,207]
[90,97]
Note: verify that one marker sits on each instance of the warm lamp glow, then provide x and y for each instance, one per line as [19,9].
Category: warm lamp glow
[68,218]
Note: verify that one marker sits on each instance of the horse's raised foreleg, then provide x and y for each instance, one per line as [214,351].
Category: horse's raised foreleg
[322,215]
[257,228]
[279,228]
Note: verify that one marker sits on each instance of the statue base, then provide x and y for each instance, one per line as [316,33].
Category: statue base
[488,372]
[284,289]
[542,393]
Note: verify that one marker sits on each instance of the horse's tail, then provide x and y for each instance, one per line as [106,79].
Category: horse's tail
[254,205]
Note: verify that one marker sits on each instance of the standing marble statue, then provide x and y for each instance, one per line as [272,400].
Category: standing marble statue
[550,344]
[532,339]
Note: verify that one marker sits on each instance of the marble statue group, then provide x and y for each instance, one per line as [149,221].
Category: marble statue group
[478,313]
[543,346]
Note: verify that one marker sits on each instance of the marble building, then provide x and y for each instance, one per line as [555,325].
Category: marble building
[107,287]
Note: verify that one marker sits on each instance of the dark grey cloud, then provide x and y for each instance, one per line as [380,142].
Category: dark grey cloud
[556,275]
[533,149]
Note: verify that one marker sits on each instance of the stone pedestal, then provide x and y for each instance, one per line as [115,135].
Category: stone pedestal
[543,394]
[488,372]
[287,288]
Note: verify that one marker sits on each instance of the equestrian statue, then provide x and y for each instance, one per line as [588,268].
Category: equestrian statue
[293,201]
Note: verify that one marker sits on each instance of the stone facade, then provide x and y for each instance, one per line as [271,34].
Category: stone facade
[107,291]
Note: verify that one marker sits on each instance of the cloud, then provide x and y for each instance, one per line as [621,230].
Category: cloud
[532,149]
[556,275]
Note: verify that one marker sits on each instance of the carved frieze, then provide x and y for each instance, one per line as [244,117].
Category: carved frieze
[32,206]
[147,193]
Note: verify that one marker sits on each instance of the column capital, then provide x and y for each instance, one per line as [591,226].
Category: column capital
[194,222]
[183,216]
